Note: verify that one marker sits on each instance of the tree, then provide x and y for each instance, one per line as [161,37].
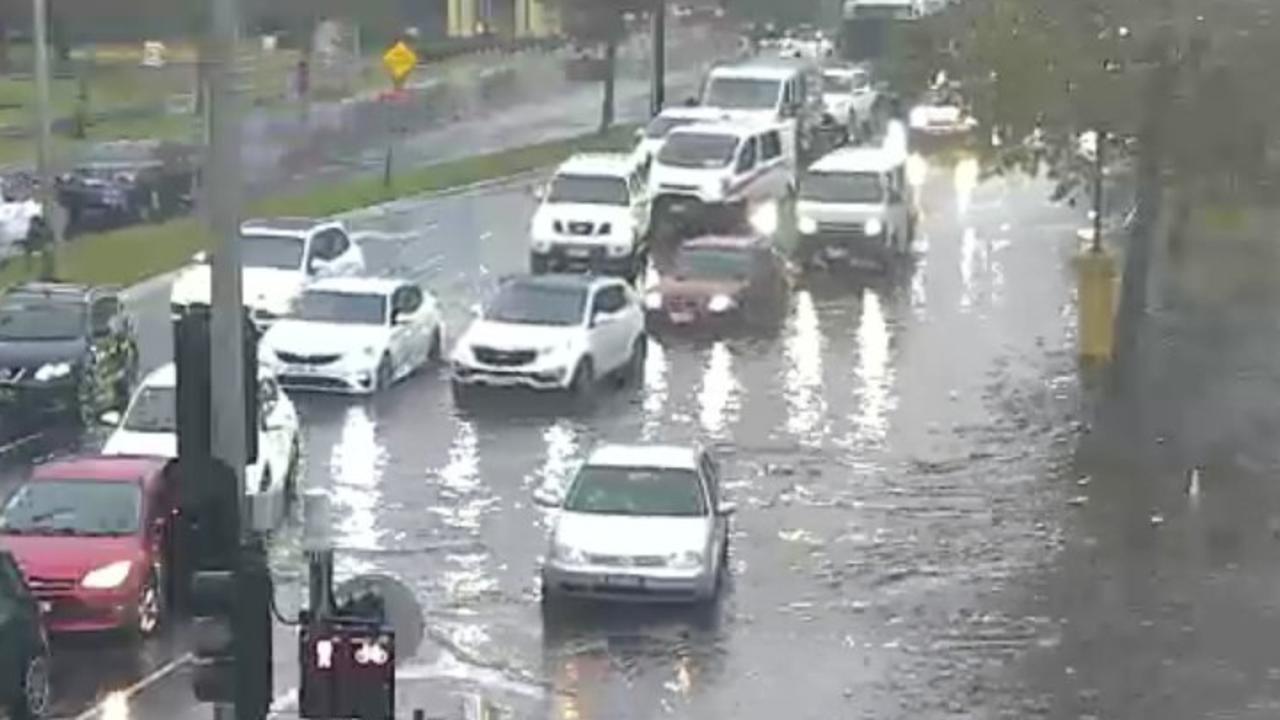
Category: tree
[601,24]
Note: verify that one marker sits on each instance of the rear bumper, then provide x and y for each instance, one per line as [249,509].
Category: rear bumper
[627,585]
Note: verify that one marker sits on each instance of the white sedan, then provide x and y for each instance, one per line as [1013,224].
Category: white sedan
[355,335]
[150,427]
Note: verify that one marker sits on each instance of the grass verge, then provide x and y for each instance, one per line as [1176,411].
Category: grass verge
[128,255]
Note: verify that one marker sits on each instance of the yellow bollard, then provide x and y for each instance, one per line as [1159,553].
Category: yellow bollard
[1096,274]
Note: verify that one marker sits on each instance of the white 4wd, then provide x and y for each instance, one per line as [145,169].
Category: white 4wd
[594,216]
[714,176]
[850,98]
[553,332]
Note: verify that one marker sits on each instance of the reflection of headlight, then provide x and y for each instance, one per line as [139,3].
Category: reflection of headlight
[765,218]
[108,576]
[53,371]
[653,300]
[685,560]
[874,226]
[919,118]
[721,303]
[807,225]
[568,554]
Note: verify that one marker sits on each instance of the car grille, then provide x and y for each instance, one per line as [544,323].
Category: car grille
[676,188]
[299,359]
[45,588]
[677,303]
[847,228]
[13,374]
[503,358]
[627,560]
[581,228]
[304,382]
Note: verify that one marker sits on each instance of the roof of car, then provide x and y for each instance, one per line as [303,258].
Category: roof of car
[619,164]
[682,457]
[766,68]
[291,225]
[857,159]
[736,128]
[692,112]
[735,242]
[358,285]
[107,468]
[51,291]
[558,280]
[166,376]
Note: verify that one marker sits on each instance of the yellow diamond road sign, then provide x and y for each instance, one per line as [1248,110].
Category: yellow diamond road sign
[399,61]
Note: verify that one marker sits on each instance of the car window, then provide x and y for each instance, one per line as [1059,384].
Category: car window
[712,475]
[610,300]
[329,244]
[531,303]
[770,145]
[104,311]
[747,159]
[281,252]
[154,410]
[408,300]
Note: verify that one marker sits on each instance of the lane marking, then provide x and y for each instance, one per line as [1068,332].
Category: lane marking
[129,692]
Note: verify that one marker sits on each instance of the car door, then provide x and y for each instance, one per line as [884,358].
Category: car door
[897,205]
[274,433]
[639,203]
[609,327]
[771,157]
[710,474]
[408,343]
[745,168]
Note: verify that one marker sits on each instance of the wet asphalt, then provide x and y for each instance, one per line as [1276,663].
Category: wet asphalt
[902,453]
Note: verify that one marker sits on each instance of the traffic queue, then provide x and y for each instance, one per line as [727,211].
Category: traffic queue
[687,231]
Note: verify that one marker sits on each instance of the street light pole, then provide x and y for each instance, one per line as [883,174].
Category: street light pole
[1099,165]
[658,90]
[44,122]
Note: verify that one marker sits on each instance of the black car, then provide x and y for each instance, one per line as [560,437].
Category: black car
[127,181]
[24,647]
[66,350]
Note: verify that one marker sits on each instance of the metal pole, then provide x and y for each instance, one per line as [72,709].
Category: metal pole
[658,91]
[44,122]
[1099,164]
[224,198]
[317,544]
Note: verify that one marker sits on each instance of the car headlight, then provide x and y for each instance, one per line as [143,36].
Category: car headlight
[765,218]
[685,560]
[721,303]
[540,246]
[919,118]
[874,226]
[557,226]
[807,225]
[569,554]
[49,372]
[108,576]
[368,351]
[605,229]
[653,300]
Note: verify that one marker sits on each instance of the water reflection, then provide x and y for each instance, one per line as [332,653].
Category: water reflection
[655,390]
[550,479]
[805,402]
[356,464]
[967,174]
[459,482]
[970,252]
[718,396]
[874,371]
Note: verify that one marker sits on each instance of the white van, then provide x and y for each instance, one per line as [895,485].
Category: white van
[855,207]
[716,175]
[783,90]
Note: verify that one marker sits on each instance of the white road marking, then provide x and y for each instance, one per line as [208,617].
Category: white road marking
[128,693]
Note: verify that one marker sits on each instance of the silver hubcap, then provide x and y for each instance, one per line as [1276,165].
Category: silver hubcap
[36,686]
[148,609]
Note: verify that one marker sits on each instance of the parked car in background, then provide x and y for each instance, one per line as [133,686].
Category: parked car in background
[18,207]
[356,335]
[93,538]
[641,523]
[850,99]
[280,257]
[127,181]
[24,647]
[150,427]
[66,351]
[720,281]
[941,113]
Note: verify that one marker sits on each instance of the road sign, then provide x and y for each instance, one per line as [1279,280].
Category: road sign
[399,61]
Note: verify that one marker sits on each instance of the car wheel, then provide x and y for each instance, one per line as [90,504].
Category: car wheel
[582,387]
[384,376]
[633,373]
[32,702]
[291,475]
[462,394]
[436,350]
[150,608]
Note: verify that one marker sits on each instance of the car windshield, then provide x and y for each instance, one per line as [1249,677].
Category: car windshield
[837,83]
[849,187]
[637,491]
[698,150]
[338,307]
[660,126]
[73,507]
[713,264]
[537,304]
[154,410]
[589,190]
[272,251]
[119,153]
[41,321]
[742,93]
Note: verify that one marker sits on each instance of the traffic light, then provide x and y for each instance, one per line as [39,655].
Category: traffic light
[348,669]
[232,628]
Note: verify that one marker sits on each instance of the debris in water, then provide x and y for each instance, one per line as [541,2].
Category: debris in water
[1157,519]
[1078,500]
[1193,484]
[1084,481]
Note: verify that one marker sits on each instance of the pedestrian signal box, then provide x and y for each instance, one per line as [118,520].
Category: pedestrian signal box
[348,670]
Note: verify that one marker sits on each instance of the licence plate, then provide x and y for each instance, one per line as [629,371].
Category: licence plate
[302,370]
[579,252]
[681,318]
[835,252]
[46,607]
[623,581]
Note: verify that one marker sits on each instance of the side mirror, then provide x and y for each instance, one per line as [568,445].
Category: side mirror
[317,266]
[725,509]
[110,418]
[477,310]
[691,102]
[200,258]
[601,318]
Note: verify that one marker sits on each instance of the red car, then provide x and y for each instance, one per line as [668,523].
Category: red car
[717,281]
[92,538]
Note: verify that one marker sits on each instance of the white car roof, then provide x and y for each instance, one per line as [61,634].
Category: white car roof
[358,285]
[858,159]
[762,71]
[695,112]
[614,164]
[679,457]
[737,128]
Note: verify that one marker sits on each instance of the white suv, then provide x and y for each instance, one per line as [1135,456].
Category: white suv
[553,332]
[280,257]
[594,215]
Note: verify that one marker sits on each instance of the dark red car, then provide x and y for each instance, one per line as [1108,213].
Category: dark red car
[92,535]
[719,281]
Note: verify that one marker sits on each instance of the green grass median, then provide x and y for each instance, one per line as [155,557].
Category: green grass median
[128,255]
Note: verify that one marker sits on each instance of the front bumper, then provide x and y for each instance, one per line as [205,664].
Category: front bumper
[28,398]
[627,584]
[690,319]
[329,377]
[849,245]
[532,377]
[82,610]
[567,257]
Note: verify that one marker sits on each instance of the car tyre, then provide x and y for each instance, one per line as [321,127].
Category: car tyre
[150,610]
[582,386]
[32,701]
[384,377]
[633,373]
[436,351]
[463,395]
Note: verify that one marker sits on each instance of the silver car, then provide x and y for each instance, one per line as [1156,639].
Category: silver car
[640,523]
